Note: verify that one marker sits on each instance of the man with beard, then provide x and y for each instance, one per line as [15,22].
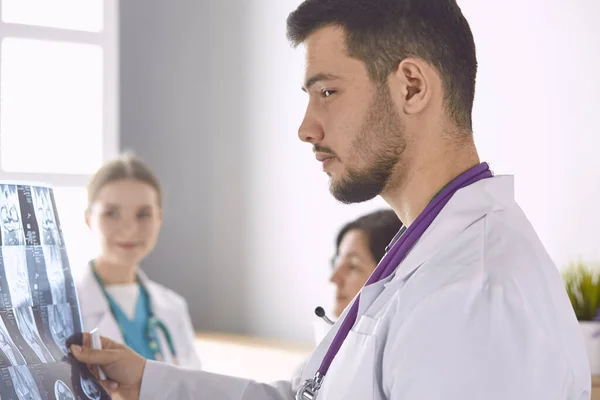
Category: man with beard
[466,304]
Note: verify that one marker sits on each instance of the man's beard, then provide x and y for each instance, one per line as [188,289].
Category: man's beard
[380,143]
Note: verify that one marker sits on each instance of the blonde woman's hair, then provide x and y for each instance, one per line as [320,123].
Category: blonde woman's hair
[126,166]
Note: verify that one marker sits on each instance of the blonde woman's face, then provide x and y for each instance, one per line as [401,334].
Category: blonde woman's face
[126,219]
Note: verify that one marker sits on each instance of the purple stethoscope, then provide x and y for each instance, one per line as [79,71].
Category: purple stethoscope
[401,245]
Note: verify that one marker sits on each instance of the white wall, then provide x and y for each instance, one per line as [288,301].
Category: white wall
[537,101]
[294,219]
[181,111]
[538,89]
[233,125]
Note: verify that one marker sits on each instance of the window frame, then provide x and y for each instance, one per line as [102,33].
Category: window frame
[107,38]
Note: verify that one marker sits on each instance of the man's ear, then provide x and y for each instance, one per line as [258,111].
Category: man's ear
[412,81]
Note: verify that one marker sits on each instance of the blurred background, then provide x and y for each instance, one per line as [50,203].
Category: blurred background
[208,94]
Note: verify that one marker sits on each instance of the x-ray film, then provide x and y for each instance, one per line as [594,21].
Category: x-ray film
[39,309]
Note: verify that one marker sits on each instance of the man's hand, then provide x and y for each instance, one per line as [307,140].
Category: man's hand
[122,366]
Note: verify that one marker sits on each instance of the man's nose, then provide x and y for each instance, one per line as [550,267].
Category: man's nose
[310,130]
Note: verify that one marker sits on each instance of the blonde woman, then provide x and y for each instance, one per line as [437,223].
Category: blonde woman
[125,214]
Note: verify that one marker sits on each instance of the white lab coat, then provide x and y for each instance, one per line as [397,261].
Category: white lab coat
[321,328]
[168,306]
[477,310]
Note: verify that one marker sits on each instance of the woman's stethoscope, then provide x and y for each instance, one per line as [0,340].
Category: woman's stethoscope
[152,325]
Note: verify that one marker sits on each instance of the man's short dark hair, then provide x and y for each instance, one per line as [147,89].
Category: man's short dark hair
[380,227]
[382,33]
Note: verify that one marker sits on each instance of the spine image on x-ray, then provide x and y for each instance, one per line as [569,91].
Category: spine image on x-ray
[60,323]
[44,213]
[14,260]
[28,329]
[9,352]
[24,383]
[10,217]
[17,275]
[54,272]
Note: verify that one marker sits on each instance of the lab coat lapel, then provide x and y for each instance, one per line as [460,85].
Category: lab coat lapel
[108,327]
[95,310]
[163,311]
[370,293]
[159,304]
[317,356]
[466,207]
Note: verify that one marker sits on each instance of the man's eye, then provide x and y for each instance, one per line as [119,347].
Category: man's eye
[327,93]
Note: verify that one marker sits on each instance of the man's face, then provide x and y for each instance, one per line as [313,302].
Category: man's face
[352,123]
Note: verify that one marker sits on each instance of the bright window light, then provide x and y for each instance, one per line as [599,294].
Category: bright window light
[81,15]
[71,203]
[51,106]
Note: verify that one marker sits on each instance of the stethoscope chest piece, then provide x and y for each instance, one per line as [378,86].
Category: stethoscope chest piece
[310,388]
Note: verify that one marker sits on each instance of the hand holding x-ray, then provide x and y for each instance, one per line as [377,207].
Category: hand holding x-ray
[123,367]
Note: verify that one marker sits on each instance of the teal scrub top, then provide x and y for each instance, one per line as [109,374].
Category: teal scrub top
[135,332]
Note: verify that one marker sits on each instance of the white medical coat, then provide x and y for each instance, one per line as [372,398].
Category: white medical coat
[477,310]
[168,307]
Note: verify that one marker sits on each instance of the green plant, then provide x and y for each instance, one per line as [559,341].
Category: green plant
[583,287]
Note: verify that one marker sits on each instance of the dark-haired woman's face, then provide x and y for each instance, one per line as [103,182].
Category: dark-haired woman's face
[352,267]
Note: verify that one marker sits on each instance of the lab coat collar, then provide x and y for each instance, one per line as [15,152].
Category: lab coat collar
[157,298]
[92,299]
[95,310]
[466,206]
[95,307]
